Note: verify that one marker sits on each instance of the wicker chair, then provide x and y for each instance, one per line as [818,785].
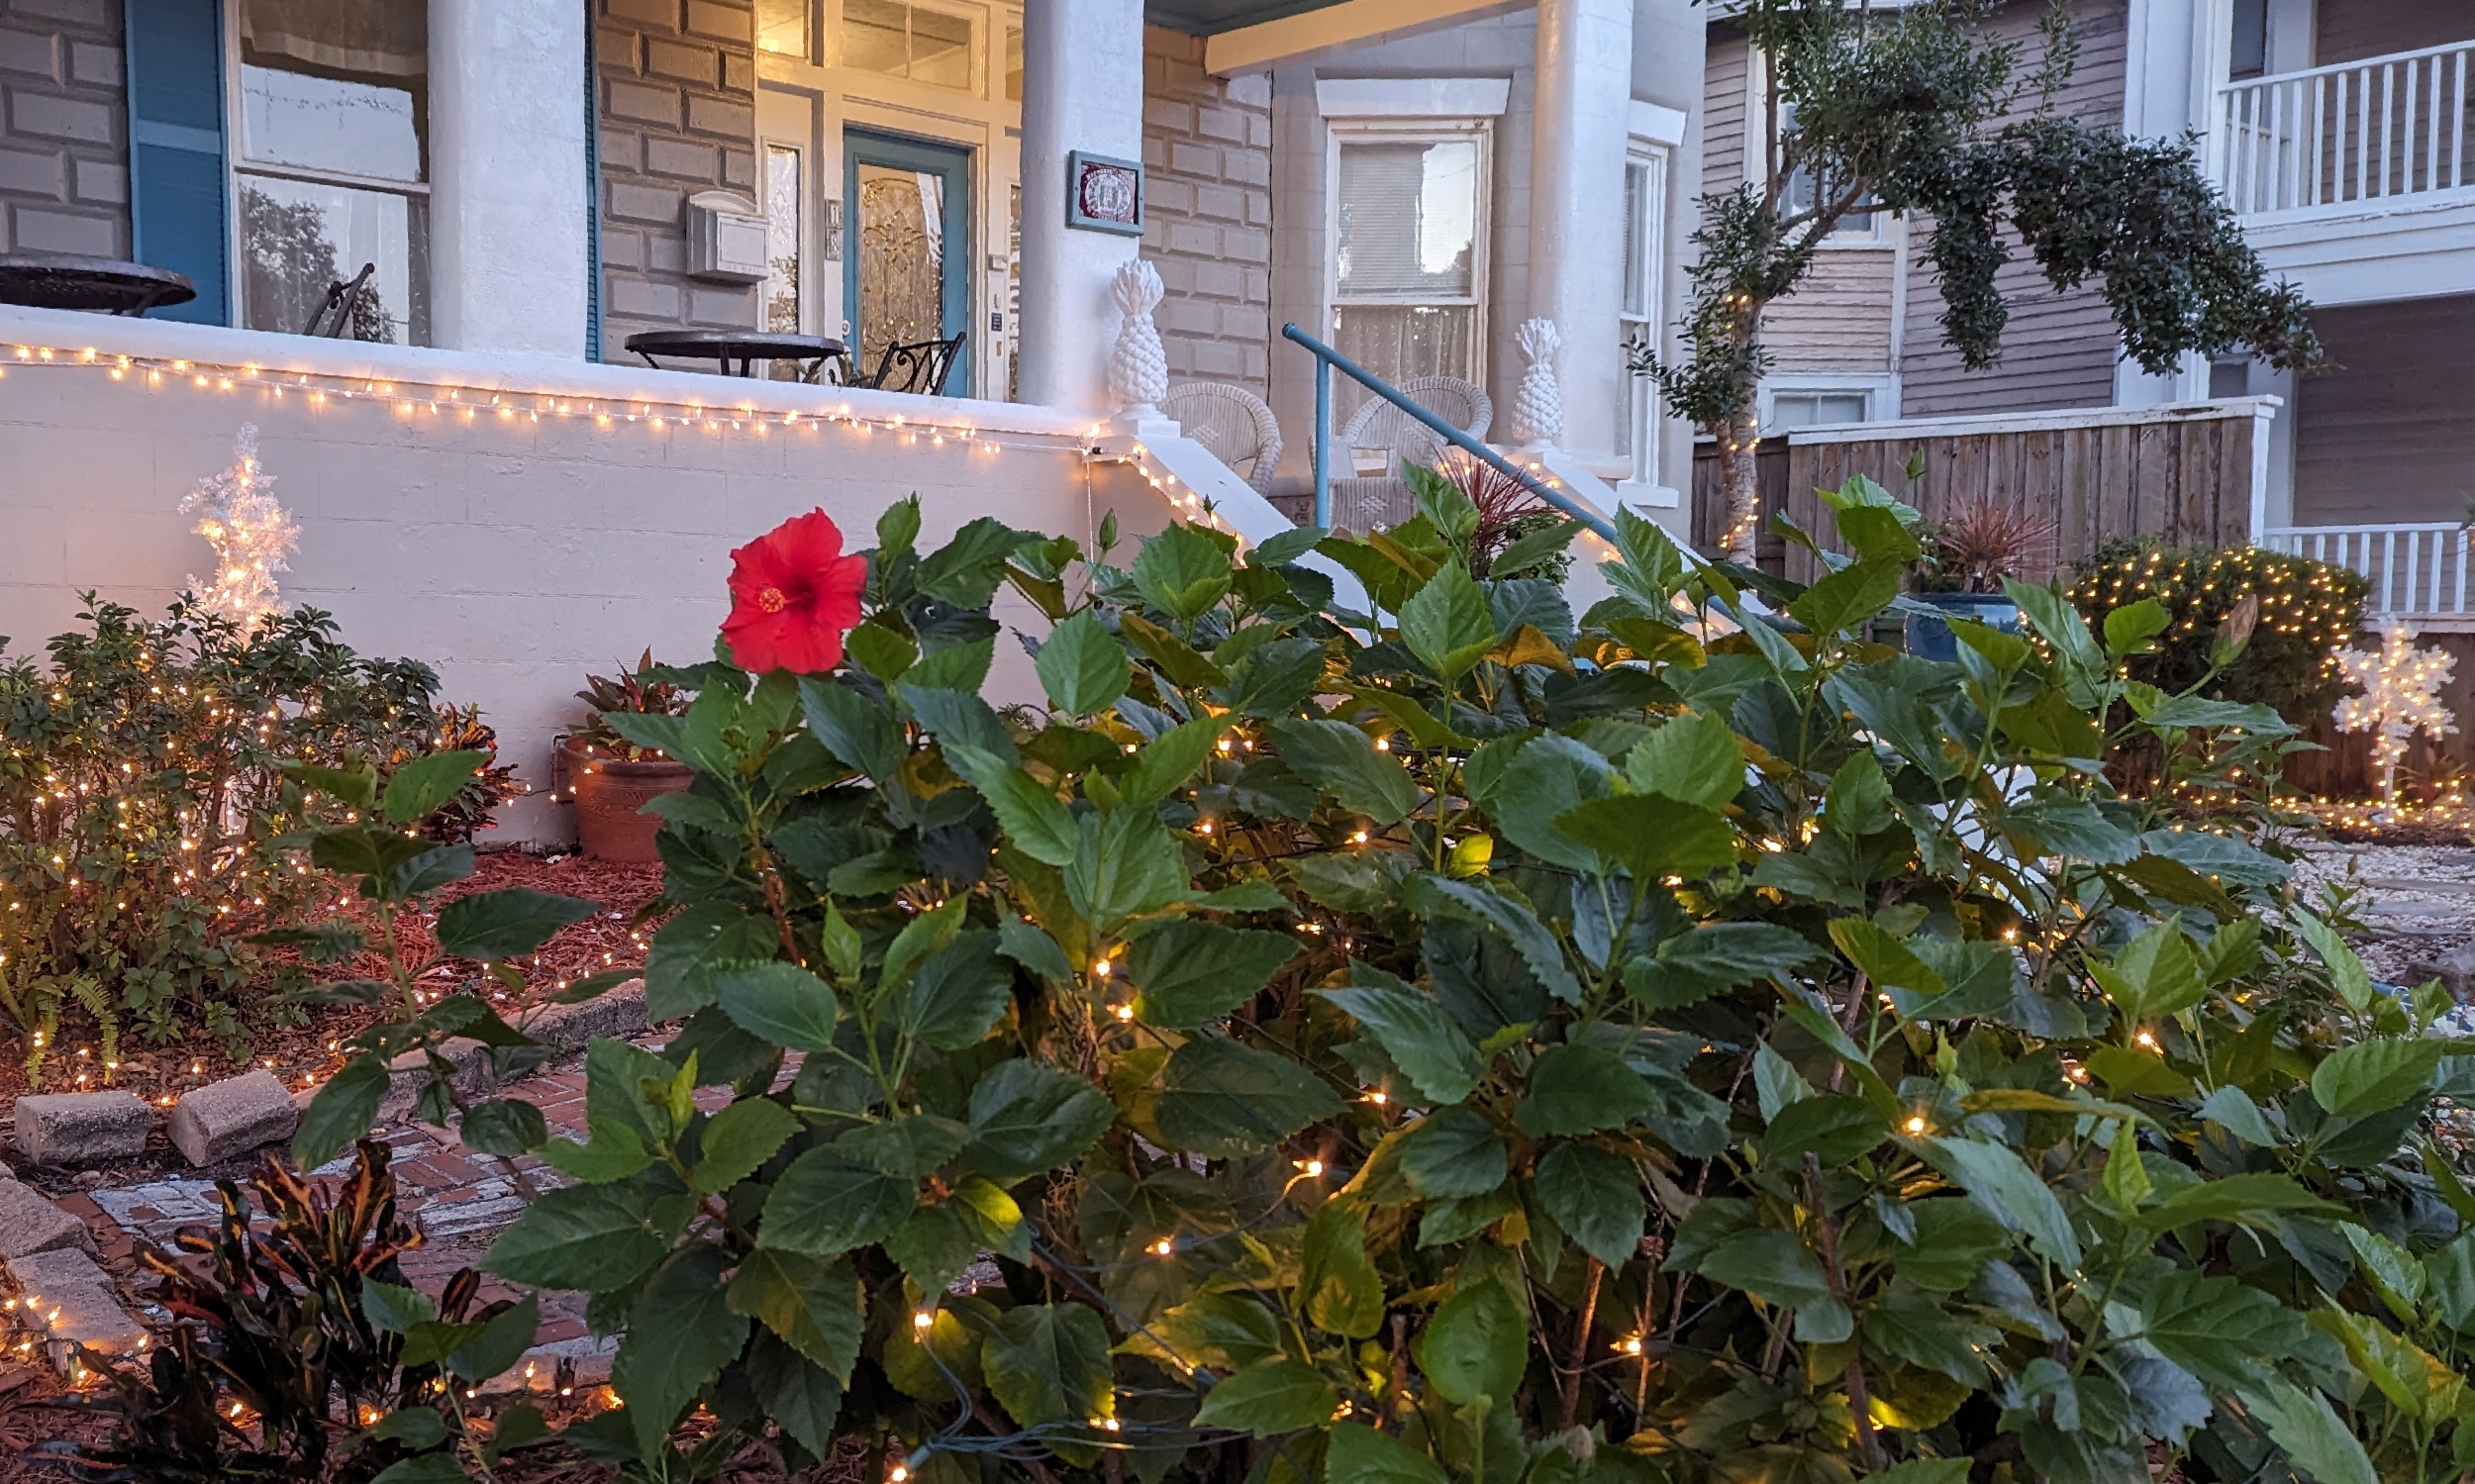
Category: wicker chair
[1234,424]
[1379,430]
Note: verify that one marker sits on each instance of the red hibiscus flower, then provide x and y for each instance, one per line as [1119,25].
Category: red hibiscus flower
[794,595]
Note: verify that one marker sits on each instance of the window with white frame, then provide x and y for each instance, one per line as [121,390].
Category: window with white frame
[1802,191]
[784,202]
[1409,246]
[1787,407]
[1644,264]
[331,173]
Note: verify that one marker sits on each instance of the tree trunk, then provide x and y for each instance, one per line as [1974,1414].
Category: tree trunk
[1738,441]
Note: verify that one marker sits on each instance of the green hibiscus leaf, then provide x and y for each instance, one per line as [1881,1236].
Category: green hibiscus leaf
[1476,1344]
[680,1333]
[1187,971]
[1446,623]
[1596,1198]
[1270,1398]
[1419,1037]
[827,1203]
[1049,1363]
[1222,1099]
[1580,1089]
[1027,1117]
[1081,667]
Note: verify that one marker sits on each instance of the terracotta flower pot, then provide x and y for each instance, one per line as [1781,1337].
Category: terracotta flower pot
[610,796]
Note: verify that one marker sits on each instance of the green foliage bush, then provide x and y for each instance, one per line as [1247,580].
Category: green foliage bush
[298,1350]
[1482,1044]
[141,795]
[2309,610]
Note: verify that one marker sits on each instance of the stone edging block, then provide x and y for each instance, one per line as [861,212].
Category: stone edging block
[83,1127]
[214,1123]
[74,1300]
[30,1224]
[619,1012]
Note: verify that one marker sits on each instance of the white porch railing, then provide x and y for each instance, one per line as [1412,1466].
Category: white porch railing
[2346,136]
[2419,570]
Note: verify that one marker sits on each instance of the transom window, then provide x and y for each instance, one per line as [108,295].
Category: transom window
[331,173]
[913,42]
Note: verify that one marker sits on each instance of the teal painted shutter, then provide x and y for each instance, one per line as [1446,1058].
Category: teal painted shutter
[177,181]
[592,197]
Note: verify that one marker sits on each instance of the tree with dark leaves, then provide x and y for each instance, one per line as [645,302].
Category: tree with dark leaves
[1925,111]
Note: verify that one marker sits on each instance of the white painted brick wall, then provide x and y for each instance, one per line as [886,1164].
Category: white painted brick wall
[512,556]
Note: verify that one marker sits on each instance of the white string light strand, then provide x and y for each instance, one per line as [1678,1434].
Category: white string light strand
[412,399]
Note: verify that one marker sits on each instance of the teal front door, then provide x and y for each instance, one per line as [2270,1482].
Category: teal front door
[907,258]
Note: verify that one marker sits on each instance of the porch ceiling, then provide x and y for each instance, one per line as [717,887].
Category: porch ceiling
[1212,17]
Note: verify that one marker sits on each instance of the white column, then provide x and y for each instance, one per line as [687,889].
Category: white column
[1082,89]
[1577,202]
[509,201]
[2176,51]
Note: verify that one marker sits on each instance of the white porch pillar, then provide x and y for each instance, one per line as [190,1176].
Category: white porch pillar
[509,201]
[1082,89]
[1577,203]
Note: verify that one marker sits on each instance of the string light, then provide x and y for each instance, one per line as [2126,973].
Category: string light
[2401,697]
[415,400]
[250,533]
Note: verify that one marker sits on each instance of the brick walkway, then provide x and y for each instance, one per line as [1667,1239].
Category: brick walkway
[457,1198]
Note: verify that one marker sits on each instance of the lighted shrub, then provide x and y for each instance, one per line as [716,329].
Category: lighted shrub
[141,797]
[2308,610]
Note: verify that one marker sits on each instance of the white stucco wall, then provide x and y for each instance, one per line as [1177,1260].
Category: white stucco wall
[514,557]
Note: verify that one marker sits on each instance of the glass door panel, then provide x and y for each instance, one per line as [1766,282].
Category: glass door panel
[908,262]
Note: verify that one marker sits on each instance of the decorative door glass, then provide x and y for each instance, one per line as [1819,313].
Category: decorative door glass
[905,274]
[902,252]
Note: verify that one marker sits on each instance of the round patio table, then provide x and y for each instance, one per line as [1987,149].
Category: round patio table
[748,348]
[105,285]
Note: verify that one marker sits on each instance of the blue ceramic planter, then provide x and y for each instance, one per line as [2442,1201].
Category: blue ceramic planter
[1929,638]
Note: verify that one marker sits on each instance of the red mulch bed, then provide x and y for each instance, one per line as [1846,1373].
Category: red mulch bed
[294,1042]
[31,1414]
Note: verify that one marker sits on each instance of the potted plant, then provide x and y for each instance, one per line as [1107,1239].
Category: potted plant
[1967,557]
[610,778]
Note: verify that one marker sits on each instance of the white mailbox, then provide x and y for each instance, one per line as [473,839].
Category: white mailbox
[726,238]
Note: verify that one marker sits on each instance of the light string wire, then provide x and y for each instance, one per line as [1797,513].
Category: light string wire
[411,398]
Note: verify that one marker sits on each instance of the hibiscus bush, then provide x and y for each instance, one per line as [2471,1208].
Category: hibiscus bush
[1337,1017]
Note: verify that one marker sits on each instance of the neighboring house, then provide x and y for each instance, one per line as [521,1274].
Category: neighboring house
[2338,131]
[1367,169]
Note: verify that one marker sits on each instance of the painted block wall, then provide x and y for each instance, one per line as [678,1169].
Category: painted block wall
[678,112]
[1208,212]
[513,556]
[64,128]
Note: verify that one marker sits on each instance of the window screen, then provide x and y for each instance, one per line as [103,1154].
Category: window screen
[1409,220]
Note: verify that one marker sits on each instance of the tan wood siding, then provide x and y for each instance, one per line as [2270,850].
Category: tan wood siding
[2352,30]
[1722,110]
[2058,349]
[2383,434]
[1839,319]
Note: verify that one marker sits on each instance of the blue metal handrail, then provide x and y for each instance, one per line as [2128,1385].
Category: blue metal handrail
[1326,358]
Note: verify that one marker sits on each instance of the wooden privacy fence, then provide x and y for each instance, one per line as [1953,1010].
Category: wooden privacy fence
[2190,474]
